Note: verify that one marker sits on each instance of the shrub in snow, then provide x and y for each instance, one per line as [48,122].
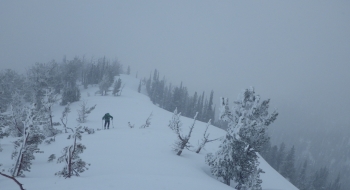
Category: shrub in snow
[182,141]
[64,117]
[89,130]
[131,126]
[148,122]
[73,163]
[84,112]
[237,157]
[51,158]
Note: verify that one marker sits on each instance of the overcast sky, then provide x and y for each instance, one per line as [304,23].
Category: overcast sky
[295,52]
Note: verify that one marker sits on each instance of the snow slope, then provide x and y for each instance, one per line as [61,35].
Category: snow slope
[125,158]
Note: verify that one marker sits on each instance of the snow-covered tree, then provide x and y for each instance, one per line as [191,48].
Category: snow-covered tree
[15,116]
[237,157]
[71,92]
[182,141]
[84,111]
[139,88]
[3,124]
[105,84]
[45,113]
[10,83]
[27,145]
[117,87]
[205,139]
[128,71]
[73,163]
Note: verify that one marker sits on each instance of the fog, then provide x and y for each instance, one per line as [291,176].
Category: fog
[294,52]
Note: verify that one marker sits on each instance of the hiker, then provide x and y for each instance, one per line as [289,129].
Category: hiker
[107,118]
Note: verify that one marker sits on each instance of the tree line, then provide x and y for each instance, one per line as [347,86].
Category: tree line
[171,97]
[303,177]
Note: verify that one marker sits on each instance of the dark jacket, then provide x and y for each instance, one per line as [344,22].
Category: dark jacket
[107,117]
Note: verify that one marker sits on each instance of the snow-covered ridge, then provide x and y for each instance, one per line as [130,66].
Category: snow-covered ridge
[129,158]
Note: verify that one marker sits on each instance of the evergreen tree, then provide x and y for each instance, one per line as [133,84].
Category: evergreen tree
[84,111]
[335,185]
[71,92]
[139,88]
[117,87]
[38,77]
[45,113]
[200,105]
[148,86]
[237,157]
[210,110]
[319,181]
[128,71]
[105,84]
[302,180]
[10,83]
[27,145]
[193,105]
[273,157]
[15,117]
[281,155]
[73,163]
[287,167]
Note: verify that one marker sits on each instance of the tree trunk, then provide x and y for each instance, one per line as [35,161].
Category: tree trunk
[227,181]
[199,149]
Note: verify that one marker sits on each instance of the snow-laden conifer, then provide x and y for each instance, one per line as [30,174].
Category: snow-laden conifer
[15,116]
[105,84]
[84,111]
[139,87]
[73,163]
[27,145]
[237,157]
[117,88]
[45,116]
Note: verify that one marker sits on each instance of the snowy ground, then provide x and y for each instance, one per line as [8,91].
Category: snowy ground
[125,158]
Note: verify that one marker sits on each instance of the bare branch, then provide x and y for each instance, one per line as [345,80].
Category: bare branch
[14,179]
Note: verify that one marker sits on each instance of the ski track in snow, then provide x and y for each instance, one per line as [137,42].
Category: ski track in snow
[128,159]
